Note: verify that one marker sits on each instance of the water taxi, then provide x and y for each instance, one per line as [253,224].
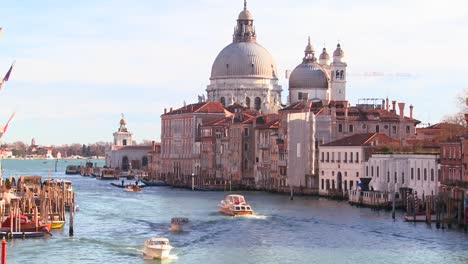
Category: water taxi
[108,174]
[235,204]
[157,248]
[132,188]
[178,224]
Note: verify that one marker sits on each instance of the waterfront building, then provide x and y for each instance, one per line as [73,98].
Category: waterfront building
[181,139]
[413,172]
[266,152]
[341,162]
[124,154]
[244,72]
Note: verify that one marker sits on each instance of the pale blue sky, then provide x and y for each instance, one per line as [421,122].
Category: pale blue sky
[79,64]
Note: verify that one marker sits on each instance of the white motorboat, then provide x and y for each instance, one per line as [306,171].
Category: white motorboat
[235,204]
[157,248]
[179,224]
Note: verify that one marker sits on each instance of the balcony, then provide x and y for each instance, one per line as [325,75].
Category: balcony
[264,146]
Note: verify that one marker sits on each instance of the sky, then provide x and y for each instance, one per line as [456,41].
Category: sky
[80,64]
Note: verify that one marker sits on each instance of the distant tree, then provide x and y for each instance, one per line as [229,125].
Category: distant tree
[459,117]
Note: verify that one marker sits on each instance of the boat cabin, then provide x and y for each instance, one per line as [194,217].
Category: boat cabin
[158,241]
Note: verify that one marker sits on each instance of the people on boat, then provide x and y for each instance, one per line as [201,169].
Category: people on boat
[123,181]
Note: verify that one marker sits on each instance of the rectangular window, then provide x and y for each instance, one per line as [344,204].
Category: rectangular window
[395,177]
[432,174]
[377,171]
[345,157]
[246,132]
[350,157]
[339,156]
[298,150]
[323,156]
[425,174]
[340,128]
[328,156]
[351,128]
[403,178]
[412,173]
[357,157]
[419,174]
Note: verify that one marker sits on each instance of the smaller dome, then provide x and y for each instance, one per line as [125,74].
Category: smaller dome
[123,122]
[308,75]
[338,52]
[324,55]
[245,15]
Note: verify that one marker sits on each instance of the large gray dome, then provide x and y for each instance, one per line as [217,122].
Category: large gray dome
[244,59]
[308,75]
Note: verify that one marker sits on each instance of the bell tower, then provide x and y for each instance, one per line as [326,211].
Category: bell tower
[122,137]
[338,75]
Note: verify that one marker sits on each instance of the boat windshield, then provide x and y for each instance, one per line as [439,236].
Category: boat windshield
[237,199]
[158,242]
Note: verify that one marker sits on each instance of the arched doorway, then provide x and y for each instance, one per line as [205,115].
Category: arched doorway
[247,102]
[339,180]
[125,164]
[144,161]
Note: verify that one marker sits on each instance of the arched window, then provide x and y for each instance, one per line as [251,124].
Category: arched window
[337,75]
[432,174]
[419,174]
[247,102]
[258,103]
[342,75]
[377,128]
[425,174]
[223,101]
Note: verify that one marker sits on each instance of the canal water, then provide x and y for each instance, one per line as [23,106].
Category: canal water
[112,226]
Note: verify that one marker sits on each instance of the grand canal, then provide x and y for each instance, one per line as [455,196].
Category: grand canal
[112,226]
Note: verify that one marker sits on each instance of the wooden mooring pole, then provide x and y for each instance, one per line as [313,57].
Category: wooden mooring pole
[4,251]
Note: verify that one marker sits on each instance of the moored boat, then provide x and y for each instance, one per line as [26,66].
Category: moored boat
[419,217]
[179,224]
[57,224]
[107,174]
[24,234]
[235,204]
[24,225]
[157,248]
[154,183]
[72,169]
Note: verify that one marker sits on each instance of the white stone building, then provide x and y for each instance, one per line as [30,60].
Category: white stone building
[418,172]
[341,162]
[124,154]
[244,72]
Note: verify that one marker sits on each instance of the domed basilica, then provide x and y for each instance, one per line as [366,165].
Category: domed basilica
[244,72]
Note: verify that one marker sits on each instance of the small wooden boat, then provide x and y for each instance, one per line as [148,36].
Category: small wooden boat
[154,183]
[419,217]
[179,224]
[57,224]
[25,225]
[132,188]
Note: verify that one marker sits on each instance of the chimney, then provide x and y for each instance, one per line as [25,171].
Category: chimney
[402,110]
[170,109]
[153,145]
[411,111]
[466,120]
[165,111]
[387,104]
[393,107]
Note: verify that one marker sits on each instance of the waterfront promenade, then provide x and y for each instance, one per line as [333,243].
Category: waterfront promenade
[112,226]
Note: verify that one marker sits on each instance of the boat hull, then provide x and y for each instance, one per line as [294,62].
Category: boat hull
[57,224]
[24,234]
[157,252]
[228,211]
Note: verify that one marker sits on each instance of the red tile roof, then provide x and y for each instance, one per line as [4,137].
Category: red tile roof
[364,139]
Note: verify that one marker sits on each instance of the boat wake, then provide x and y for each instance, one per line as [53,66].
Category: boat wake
[256,216]
[164,260]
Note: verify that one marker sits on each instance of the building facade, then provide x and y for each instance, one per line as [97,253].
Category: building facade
[404,172]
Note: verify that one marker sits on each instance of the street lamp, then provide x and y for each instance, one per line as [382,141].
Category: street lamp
[193,181]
